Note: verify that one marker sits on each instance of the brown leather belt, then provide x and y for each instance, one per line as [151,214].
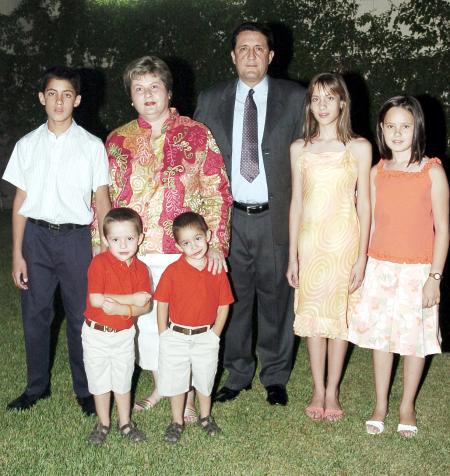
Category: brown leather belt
[251,208]
[100,327]
[56,227]
[188,330]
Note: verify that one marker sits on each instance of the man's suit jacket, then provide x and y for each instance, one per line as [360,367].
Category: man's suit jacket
[284,121]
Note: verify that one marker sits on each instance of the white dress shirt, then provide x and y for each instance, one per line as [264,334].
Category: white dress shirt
[243,191]
[58,174]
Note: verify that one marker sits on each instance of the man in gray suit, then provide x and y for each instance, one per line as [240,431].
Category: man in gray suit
[254,120]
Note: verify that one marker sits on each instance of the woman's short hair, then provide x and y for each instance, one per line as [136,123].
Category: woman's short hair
[147,65]
[412,105]
[334,83]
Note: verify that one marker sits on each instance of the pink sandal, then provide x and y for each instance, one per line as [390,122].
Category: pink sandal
[333,414]
[315,413]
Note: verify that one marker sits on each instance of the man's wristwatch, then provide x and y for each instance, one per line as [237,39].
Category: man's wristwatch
[436,276]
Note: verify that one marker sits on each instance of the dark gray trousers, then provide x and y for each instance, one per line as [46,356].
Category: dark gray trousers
[258,268]
[54,257]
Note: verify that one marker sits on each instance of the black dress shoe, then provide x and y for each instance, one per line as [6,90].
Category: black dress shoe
[225,394]
[87,405]
[25,401]
[277,395]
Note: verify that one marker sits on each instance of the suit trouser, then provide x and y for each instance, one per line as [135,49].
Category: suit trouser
[258,267]
[54,257]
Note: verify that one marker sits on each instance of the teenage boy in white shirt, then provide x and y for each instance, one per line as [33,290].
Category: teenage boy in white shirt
[55,169]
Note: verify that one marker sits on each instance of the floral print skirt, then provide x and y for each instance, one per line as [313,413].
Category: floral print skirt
[389,315]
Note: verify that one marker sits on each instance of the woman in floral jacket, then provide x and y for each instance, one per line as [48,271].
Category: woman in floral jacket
[163,164]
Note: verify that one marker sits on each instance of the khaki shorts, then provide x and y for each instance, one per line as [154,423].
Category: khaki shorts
[180,355]
[108,359]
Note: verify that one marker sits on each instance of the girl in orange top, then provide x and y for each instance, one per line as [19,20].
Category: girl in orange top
[398,308]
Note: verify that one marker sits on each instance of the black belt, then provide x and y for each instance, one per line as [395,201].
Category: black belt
[251,208]
[55,227]
[188,330]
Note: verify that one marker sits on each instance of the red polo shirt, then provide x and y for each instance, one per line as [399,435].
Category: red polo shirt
[193,295]
[108,275]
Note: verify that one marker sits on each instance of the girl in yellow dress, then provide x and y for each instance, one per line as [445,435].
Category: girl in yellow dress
[329,224]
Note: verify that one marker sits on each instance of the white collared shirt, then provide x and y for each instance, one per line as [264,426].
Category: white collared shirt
[58,174]
[243,191]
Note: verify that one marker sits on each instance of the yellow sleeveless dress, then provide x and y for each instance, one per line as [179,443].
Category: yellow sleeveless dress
[328,244]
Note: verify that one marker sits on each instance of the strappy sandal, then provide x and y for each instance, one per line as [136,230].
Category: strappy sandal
[144,404]
[99,434]
[190,415]
[209,425]
[133,433]
[374,427]
[173,432]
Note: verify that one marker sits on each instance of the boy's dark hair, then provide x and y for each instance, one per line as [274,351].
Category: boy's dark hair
[120,215]
[413,106]
[253,26]
[61,72]
[188,220]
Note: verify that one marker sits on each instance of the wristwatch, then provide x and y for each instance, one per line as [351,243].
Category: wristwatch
[436,276]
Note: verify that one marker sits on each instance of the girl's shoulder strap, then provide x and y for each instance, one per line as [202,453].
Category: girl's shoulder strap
[380,165]
[431,162]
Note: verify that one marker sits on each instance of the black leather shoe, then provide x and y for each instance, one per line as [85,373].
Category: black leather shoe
[87,405]
[25,401]
[225,394]
[277,395]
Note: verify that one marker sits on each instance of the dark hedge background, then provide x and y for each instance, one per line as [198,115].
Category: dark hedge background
[404,49]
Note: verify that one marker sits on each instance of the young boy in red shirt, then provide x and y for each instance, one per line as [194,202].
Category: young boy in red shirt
[192,310]
[118,291]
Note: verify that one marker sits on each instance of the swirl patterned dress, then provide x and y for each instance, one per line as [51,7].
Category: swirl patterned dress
[328,244]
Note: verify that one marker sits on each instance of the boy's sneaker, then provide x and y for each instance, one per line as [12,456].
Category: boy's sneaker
[173,432]
[99,434]
[130,431]
[209,425]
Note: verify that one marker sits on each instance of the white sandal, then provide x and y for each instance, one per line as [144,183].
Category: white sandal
[411,428]
[379,425]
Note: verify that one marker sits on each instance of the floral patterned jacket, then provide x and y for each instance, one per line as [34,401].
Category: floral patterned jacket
[182,170]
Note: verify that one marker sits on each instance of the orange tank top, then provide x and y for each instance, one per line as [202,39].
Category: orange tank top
[403,217]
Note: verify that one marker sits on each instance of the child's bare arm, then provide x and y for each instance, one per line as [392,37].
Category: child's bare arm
[439,203]
[124,307]
[162,316]
[141,298]
[96,299]
[221,319]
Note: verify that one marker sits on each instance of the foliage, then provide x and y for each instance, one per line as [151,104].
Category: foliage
[404,49]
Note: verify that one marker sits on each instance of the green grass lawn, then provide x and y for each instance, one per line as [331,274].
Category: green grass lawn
[257,439]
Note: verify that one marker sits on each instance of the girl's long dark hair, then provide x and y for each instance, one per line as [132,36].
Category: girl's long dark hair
[412,105]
